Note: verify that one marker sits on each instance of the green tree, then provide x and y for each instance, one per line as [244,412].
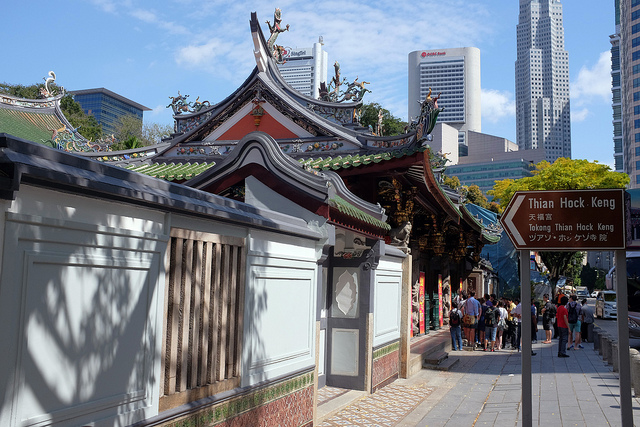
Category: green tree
[87,125]
[470,194]
[130,126]
[563,174]
[390,125]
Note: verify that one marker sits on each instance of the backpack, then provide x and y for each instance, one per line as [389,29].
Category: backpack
[454,318]
[551,311]
[490,317]
[572,317]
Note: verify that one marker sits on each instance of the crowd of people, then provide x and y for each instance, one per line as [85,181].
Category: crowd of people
[493,324]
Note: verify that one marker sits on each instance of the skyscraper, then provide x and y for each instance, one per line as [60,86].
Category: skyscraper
[629,30]
[305,68]
[616,94]
[543,117]
[454,72]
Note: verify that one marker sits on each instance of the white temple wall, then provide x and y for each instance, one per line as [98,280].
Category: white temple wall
[82,288]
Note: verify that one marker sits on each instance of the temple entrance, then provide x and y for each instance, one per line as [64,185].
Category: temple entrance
[345,330]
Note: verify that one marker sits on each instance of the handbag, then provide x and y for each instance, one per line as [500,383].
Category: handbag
[466,320]
[502,324]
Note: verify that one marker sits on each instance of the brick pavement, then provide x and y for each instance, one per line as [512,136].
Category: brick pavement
[484,389]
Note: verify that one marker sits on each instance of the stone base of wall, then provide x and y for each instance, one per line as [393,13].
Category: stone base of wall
[287,404]
[386,366]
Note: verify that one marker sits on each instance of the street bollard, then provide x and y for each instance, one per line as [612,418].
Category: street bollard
[608,350]
[603,340]
[634,362]
[614,356]
[596,338]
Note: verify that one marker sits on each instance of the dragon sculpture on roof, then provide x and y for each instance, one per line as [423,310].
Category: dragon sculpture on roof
[276,50]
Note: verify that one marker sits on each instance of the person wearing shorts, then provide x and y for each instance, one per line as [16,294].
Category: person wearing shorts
[574,328]
[548,316]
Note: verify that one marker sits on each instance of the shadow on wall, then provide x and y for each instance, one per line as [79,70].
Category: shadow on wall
[82,297]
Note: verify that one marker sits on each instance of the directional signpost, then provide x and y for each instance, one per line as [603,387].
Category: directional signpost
[566,220]
[570,220]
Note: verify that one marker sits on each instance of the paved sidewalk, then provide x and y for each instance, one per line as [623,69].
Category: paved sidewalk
[484,389]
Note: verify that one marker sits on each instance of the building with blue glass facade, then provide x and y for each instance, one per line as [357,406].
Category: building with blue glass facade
[107,107]
[488,158]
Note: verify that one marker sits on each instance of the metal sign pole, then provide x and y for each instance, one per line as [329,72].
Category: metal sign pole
[525,327]
[626,411]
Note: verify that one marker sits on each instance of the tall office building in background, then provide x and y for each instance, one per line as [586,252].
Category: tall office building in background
[305,68]
[616,92]
[107,107]
[543,117]
[455,73]
[629,15]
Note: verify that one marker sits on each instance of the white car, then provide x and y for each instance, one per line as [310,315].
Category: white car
[594,294]
[606,305]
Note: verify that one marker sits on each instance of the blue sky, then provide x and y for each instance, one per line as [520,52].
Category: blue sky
[148,50]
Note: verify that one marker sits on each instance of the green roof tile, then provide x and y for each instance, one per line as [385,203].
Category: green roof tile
[29,125]
[171,171]
[355,160]
[348,209]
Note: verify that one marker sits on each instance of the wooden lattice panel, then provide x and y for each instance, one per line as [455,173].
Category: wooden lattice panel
[204,301]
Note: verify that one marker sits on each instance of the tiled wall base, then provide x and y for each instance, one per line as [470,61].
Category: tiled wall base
[288,404]
[386,366]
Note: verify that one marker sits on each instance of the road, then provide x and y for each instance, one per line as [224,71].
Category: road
[611,327]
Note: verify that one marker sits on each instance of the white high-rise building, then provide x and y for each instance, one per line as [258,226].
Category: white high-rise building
[454,72]
[543,114]
[304,69]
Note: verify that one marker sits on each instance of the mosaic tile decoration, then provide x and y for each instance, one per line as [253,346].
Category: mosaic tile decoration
[287,394]
[381,352]
[386,408]
[327,393]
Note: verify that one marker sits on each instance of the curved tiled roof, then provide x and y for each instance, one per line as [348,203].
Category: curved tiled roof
[29,125]
[346,161]
[348,209]
[171,171]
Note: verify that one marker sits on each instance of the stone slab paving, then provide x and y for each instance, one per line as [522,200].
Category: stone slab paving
[484,389]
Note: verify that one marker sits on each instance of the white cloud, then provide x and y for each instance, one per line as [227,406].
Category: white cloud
[151,17]
[579,115]
[593,84]
[497,105]
[106,5]
[200,55]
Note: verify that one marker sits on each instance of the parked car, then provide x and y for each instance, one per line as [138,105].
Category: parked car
[606,305]
[634,324]
[594,294]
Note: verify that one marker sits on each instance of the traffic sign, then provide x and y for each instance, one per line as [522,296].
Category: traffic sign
[566,220]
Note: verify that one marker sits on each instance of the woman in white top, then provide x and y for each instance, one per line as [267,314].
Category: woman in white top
[502,322]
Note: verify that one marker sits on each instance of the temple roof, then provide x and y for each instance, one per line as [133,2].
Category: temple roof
[42,121]
[323,193]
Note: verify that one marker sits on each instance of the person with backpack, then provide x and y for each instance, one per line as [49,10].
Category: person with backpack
[573,317]
[548,317]
[455,328]
[491,318]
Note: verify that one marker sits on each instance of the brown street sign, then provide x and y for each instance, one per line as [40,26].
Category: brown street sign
[566,220]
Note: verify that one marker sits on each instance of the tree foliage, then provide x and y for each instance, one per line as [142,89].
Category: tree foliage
[563,174]
[132,133]
[390,125]
[470,194]
[87,125]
